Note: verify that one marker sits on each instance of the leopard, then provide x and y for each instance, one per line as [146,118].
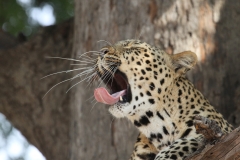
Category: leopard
[150,88]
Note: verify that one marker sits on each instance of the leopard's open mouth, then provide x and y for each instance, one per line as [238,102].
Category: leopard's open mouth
[120,91]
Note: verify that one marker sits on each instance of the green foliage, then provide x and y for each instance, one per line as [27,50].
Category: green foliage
[15,18]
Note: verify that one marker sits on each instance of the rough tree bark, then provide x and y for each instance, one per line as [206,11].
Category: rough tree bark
[44,122]
[65,126]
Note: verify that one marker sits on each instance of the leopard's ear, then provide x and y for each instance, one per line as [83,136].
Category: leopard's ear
[183,62]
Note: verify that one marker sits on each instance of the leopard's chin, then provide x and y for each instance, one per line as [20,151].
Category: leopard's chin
[118,109]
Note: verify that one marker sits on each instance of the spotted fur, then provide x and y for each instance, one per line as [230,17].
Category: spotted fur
[163,102]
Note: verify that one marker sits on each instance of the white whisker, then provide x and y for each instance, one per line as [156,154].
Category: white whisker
[86,58]
[105,42]
[90,98]
[83,73]
[67,71]
[111,74]
[93,106]
[76,84]
[90,52]
[78,64]
[87,62]
[90,78]
[104,76]
[55,86]
[70,59]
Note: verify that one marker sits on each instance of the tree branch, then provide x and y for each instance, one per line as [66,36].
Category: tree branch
[227,147]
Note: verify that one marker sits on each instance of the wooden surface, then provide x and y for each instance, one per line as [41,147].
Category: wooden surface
[227,148]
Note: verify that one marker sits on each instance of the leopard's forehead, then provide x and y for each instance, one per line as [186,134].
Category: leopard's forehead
[131,43]
[135,48]
[128,42]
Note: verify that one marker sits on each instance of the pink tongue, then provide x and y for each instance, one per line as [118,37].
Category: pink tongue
[102,95]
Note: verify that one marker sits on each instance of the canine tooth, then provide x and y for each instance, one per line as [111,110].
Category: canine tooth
[121,99]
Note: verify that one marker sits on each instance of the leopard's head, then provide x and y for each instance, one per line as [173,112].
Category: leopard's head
[137,76]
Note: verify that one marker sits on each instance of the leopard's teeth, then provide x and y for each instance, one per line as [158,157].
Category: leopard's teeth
[121,99]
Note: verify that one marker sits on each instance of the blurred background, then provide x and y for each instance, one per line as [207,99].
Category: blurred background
[24,18]
[13,145]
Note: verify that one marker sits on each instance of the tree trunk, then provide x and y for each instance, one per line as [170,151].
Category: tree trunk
[67,126]
[44,122]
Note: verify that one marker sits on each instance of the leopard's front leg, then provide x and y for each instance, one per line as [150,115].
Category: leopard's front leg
[143,149]
[180,149]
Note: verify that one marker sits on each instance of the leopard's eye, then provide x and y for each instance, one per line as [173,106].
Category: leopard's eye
[104,51]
